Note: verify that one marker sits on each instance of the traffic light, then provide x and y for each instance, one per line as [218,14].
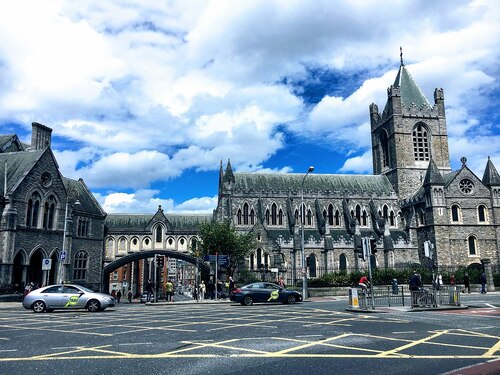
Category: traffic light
[364,249]
[373,246]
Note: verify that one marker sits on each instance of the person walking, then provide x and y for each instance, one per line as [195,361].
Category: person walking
[415,282]
[231,284]
[118,295]
[211,289]
[203,289]
[483,283]
[466,283]
[149,290]
[129,296]
[281,282]
[438,281]
[169,289]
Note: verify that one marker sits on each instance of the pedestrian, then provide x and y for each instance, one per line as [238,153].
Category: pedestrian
[211,289]
[231,284]
[466,283]
[452,280]
[113,293]
[203,289]
[281,282]
[118,296]
[219,289]
[129,296]
[415,282]
[169,289]
[483,283]
[438,281]
[149,290]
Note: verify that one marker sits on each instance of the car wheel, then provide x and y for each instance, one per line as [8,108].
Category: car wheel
[291,299]
[247,301]
[39,306]
[93,305]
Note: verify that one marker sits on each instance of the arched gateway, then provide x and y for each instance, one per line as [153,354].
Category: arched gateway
[109,268]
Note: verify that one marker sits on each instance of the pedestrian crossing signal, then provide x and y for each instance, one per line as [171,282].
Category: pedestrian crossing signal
[373,246]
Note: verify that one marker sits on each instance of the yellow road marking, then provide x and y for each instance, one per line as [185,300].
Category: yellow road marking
[495,348]
[411,344]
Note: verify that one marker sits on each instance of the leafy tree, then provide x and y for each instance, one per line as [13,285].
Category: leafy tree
[222,238]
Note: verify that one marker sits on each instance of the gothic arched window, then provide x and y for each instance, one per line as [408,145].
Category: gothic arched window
[358,214]
[482,213]
[273,214]
[455,213]
[384,144]
[330,214]
[252,261]
[238,217]
[392,221]
[33,210]
[337,218]
[364,219]
[309,217]
[245,214]
[420,143]
[280,217]
[159,234]
[252,217]
[472,243]
[268,217]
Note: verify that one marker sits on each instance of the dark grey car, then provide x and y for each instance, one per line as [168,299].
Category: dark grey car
[67,296]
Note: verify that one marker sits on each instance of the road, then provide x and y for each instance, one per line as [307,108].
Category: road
[314,337]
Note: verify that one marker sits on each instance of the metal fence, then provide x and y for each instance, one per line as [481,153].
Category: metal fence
[423,298]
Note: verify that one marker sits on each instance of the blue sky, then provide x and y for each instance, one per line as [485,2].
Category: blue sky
[145,98]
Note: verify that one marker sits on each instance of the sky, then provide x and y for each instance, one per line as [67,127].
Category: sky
[146,98]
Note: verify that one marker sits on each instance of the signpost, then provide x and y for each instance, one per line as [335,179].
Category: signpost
[46,266]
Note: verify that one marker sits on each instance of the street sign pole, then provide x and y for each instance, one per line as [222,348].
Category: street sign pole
[156,286]
[215,281]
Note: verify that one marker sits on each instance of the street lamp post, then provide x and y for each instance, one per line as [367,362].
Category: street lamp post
[63,256]
[302,209]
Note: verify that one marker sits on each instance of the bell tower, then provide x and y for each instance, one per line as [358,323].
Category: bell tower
[408,133]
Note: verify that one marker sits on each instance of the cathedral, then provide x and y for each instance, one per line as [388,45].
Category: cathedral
[413,209]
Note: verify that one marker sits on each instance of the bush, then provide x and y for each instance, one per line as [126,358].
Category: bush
[246,277]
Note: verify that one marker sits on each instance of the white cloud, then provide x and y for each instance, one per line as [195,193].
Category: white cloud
[142,201]
[149,90]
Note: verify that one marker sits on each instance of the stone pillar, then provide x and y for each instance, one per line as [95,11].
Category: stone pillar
[8,229]
[489,274]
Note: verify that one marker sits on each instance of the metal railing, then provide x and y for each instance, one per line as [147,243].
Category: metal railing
[422,298]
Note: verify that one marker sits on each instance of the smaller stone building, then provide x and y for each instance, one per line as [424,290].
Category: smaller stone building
[38,206]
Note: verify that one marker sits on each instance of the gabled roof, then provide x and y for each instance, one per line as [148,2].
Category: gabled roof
[18,166]
[351,184]
[491,176]
[77,190]
[10,143]
[432,176]
[410,92]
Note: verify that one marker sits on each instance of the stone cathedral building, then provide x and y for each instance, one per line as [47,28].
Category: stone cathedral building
[412,202]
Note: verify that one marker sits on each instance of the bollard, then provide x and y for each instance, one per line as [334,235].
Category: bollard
[353,298]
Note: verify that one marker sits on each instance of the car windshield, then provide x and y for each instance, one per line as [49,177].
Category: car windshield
[85,289]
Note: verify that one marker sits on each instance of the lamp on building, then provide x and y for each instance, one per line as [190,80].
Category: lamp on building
[64,255]
[302,214]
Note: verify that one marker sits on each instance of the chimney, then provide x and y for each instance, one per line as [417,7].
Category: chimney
[40,136]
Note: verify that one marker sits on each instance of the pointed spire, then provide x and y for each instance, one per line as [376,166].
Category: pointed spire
[401,55]
[410,92]
[491,176]
[228,175]
[432,176]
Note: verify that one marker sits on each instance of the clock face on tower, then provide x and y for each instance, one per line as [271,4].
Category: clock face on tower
[46,179]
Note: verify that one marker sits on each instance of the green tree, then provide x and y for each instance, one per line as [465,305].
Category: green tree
[222,238]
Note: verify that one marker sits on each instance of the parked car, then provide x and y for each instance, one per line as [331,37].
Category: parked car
[67,296]
[264,292]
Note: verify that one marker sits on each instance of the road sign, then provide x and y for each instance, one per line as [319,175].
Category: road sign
[46,264]
[63,255]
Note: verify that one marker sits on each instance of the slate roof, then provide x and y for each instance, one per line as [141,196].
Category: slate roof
[350,184]
[139,222]
[432,176]
[77,190]
[18,166]
[491,176]
[410,92]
